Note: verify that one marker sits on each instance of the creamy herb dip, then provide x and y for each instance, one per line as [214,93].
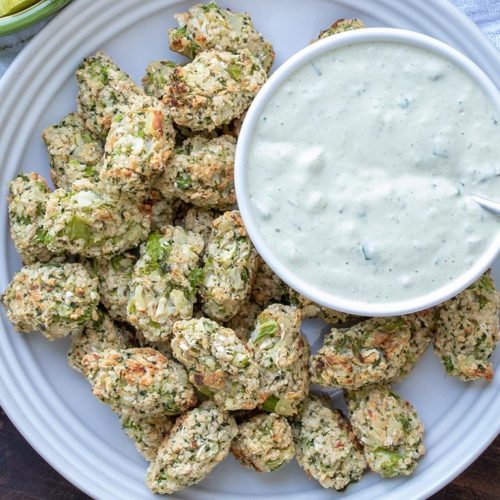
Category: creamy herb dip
[361,167]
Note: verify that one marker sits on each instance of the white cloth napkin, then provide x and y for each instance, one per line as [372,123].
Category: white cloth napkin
[485,13]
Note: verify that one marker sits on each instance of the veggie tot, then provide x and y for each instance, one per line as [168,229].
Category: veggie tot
[86,222]
[158,77]
[57,299]
[267,288]
[264,442]
[164,282]
[28,195]
[341,26]
[312,310]
[388,428]
[74,152]
[326,447]
[200,221]
[370,352]
[208,26]
[214,89]
[99,334]
[219,364]
[141,381]
[114,277]
[422,331]
[104,90]
[282,355]
[147,433]
[468,331]
[138,146]
[199,440]
[201,172]
[229,268]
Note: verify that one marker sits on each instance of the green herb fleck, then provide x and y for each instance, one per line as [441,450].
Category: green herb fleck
[23,219]
[205,390]
[266,329]
[486,283]
[116,262]
[42,236]
[234,71]
[196,277]
[210,6]
[240,360]
[184,182]
[244,275]
[158,250]
[483,301]
[78,229]
[269,404]
[87,138]
[448,364]
[391,461]
[89,172]
[392,325]
[405,423]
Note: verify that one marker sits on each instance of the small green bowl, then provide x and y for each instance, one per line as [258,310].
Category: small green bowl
[30,16]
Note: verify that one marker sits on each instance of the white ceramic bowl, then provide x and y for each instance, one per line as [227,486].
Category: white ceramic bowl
[52,405]
[270,254]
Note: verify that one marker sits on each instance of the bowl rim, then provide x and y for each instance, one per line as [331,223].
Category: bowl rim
[275,81]
[29,16]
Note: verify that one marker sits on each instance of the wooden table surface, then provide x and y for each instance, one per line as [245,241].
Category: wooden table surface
[25,475]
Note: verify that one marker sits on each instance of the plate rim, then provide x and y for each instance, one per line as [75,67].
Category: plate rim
[9,402]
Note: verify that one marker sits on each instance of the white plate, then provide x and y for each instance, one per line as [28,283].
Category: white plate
[52,406]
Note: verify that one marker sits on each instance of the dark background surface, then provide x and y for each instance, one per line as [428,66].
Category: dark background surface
[25,475]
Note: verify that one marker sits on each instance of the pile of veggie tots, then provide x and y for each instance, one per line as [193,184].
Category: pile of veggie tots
[176,322]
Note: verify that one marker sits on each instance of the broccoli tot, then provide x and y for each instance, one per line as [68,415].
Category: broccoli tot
[369,352]
[28,195]
[104,91]
[422,330]
[268,287]
[264,442]
[158,77]
[99,334]
[201,172]
[214,89]
[141,381]
[312,310]
[229,268]
[114,277]
[138,146]
[147,433]
[199,221]
[207,26]
[340,26]
[164,281]
[85,221]
[74,152]
[219,364]
[388,428]
[325,446]
[163,208]
[57,299]
[199,440]
[468,331]
[282,354]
